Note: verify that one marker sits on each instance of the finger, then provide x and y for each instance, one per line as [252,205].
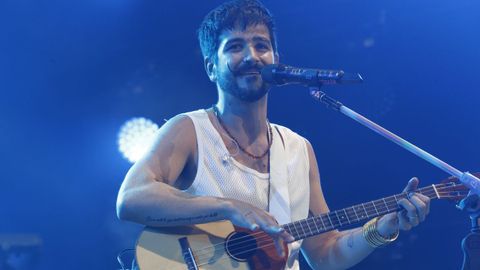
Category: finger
[389,219]
[403,222]
[412,185]
[411,212]
[268,224]
[422,197]
[250,221]
[243,222]
[287,237]
[419,205]
[426,200]
[279,246]
[276,228]
[252,225]
[278,231]
[388,224]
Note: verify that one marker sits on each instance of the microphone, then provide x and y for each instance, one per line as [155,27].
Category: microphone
[282,74]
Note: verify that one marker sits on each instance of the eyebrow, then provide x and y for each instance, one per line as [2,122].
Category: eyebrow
[255,38]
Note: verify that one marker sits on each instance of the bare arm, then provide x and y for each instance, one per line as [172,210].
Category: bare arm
[149,193]
[343,249]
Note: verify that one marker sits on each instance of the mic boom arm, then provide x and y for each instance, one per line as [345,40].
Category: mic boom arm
[467,178]
[279,74]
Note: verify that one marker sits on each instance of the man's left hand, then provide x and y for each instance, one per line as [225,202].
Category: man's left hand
[415,208]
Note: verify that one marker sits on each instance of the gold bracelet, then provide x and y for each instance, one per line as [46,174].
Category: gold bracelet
[373,237]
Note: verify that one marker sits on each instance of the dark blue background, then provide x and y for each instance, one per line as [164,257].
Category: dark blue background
[72,72]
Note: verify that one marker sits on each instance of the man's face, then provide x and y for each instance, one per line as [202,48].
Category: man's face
[240,57]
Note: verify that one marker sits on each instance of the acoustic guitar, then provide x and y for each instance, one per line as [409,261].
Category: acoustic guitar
[220,245]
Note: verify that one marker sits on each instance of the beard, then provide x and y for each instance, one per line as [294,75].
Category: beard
[245,88]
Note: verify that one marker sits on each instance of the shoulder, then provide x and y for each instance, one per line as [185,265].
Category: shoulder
[178,132]
[177,125]
[183,122]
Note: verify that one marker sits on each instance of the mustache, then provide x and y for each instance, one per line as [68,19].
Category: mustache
[245,68]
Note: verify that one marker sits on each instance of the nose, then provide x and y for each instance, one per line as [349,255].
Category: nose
[251,56]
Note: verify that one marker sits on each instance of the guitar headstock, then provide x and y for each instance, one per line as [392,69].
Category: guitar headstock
[452,189]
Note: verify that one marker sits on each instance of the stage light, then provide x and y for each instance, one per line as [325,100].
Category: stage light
[135,137]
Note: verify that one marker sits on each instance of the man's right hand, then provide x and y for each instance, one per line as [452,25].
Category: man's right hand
[247,216]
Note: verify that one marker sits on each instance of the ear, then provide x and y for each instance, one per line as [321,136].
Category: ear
[210,68]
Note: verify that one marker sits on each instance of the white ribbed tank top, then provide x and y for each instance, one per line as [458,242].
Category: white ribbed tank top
[220,175]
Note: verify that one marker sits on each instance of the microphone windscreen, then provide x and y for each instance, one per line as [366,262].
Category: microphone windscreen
[268,74]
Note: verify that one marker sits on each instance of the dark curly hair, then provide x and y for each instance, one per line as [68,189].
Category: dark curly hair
[228,16]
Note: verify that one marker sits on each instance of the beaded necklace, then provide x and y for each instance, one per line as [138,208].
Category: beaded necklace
[269,136]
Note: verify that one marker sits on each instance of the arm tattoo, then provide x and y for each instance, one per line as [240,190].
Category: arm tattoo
[181,219]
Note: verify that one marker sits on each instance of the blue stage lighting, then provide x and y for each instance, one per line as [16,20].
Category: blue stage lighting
[135,137]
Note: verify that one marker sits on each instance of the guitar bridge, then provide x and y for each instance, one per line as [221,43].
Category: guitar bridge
[187,254]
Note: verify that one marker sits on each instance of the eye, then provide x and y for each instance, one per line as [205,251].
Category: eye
[234,47]
[262,47]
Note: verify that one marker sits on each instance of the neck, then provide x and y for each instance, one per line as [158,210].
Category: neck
[249,117]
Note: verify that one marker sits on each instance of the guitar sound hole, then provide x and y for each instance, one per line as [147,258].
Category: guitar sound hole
[240,246]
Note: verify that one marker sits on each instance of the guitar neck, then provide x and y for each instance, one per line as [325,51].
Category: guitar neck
[316,225]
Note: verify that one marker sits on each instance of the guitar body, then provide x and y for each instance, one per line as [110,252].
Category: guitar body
[215,245]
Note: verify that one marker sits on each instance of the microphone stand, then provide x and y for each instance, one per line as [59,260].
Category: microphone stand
[471,242]
[471,181]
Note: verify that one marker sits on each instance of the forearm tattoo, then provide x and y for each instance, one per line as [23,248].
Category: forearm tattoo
[196,219]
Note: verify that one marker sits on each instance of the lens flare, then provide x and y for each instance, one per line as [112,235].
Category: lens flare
[135,137]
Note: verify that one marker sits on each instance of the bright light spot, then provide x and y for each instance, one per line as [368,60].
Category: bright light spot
[135,137]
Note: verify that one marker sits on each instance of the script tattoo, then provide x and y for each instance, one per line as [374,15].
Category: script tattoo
[182,219]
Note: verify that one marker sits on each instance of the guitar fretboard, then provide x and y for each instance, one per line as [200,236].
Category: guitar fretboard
[351,215]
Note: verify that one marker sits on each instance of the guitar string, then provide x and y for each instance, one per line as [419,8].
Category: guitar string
[440,190]
[312,221]
[323,215]
[270,243]
[265,244]
[267,237]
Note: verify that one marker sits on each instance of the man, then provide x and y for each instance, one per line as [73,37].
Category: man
[225,162]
